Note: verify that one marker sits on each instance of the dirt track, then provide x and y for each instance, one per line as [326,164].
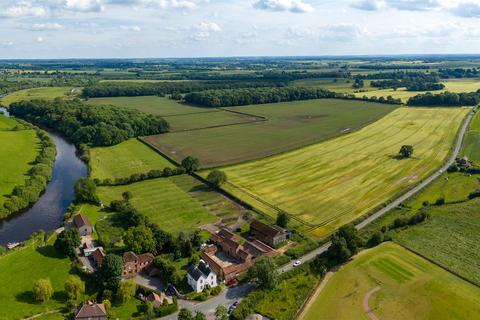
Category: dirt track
[366,307]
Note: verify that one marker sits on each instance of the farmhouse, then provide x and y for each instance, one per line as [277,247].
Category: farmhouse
[91,311]
[83,225]
[134,264]
[201,276]
[98,256]
[158,299]
[272,235]
[228,258]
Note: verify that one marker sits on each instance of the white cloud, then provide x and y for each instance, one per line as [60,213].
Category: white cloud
[342,32]
[414,5]
[39,39]
[131,28]
[163,4]
[23,9]
[45,27]
[296,6]
[207,27]
[368,5]
[6,44]
[467,10]
[83,5]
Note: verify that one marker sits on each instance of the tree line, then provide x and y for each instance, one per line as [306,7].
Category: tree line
[239,97]
[445,99]
[163,88]
[90,125]
[38,176]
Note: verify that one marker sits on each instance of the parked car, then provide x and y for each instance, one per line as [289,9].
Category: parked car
[297,263]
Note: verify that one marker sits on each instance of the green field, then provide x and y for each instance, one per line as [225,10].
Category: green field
[39,93]
[289,125]
[17,151]
[410,288]
[450,238]
[164,203]
[150,104]
[472,140]
[329,184]
[18,272]
[457,85]
[125,159]
[333,84]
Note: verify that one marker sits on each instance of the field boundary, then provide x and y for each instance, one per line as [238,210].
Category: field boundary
[300,314]
[438,264]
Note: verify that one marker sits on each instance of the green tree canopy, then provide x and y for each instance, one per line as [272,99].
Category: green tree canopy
[217,177]
[67,242]
[42,290]
[86,191]
[406,151]
[282,219]
[265,273]
[190,164]
[74,287]
[140,239]
[111,271]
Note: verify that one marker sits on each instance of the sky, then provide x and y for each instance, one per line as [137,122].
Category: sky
[215,28]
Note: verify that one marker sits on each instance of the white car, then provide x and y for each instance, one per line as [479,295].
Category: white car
[297,263]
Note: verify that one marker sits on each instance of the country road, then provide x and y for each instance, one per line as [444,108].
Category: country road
[228,296]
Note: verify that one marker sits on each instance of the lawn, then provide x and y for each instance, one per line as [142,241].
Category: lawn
[39,93]
[150,104]
[332,183]
[164,203]
[450,238]
[17,151]
[457,85]
[472,140]
[125,159]
[409,288]
[289,126]
[18,272]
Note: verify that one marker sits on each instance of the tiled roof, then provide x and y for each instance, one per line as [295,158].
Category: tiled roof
[268,230]
[80,220]
[129,257]
[92,310]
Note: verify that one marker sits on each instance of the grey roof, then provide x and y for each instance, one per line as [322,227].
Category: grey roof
[89,311]
[202,270]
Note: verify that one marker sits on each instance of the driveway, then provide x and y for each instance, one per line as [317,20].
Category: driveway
[153,283]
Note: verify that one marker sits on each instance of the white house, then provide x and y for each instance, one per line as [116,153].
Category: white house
[201,276]
[83,225]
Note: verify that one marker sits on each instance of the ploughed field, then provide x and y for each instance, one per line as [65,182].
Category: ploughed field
[287,126]
[409,287]
[125,159]
[48,93]
[18,150]
[326,185]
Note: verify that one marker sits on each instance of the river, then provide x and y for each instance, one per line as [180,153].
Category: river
[47,213]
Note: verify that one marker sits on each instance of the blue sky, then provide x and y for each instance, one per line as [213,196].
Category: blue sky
[191,28]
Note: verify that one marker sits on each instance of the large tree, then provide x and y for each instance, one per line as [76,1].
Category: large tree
[282,219]
[126,290]
[67,242]
[217,177]
[265,273]
[140,239]
[86,191]
[185,314]
[42,290]
[74,287]
[111,271]
[190,164]
[406,151]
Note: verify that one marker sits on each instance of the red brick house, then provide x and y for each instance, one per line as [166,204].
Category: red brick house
[134,264]
[272,235]
[98,256]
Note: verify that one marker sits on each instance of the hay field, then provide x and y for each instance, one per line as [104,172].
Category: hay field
[454,85]
[164,202]
[289,125]
[125,159]
[471,145]
[332,183]
[410,287]
[18,149]
[49,93]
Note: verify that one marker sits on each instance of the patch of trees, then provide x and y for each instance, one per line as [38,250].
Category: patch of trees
[445,99]
[90,125]
[164,88]
[239,97]
[137,177]
[86,191]
[358,83]
[67,242]
[226,98]
[38,176]
[393,75]
[459,73]
[413,82]
[217,177]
